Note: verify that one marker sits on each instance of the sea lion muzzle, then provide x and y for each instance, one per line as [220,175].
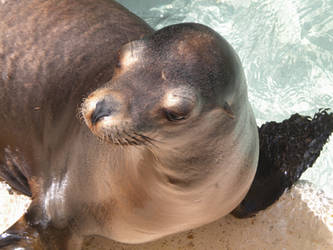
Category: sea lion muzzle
[105,107]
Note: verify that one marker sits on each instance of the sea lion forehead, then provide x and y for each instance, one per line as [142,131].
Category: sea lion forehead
[185,37]
[183,50]
[183,41]
[194,42]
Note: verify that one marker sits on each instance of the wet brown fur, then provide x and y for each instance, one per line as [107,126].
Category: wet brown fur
[52,54]
[154,177]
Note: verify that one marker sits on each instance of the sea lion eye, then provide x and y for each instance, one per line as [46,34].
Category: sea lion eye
[178,104]
[173,116]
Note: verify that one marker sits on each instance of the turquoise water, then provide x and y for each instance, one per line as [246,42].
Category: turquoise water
[286,48]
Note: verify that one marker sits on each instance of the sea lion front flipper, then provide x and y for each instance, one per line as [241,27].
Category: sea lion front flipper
[287,149]
[20,236]
[33,232]
[13,171]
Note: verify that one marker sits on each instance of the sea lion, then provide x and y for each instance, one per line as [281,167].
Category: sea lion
[177,106]
[173,142]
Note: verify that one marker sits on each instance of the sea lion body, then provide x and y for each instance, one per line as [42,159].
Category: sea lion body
[174,143]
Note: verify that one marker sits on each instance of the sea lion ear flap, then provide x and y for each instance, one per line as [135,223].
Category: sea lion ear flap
[227,110]
[130,53]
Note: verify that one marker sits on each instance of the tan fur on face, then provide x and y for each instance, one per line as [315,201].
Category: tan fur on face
[105,123]
[175,97]
[129,56]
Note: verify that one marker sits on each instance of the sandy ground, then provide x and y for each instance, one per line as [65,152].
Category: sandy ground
[12,206]
[301,219]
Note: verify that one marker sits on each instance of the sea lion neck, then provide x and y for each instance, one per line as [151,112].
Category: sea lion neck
[186,167]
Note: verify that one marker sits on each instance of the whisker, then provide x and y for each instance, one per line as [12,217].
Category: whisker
[110,137]
[128,141]
[122,134]
[119,137]
[136,140]
[146,138]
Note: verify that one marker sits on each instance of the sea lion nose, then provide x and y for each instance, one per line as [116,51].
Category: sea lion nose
[103,108]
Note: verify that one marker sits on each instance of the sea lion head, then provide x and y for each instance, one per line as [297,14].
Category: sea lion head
[164,86]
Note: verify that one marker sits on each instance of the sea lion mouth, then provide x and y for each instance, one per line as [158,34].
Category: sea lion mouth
[121,134]
[109,125]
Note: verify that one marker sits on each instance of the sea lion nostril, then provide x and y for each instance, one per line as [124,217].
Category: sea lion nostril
[102,109]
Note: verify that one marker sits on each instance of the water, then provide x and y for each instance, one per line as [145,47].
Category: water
[286,48]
